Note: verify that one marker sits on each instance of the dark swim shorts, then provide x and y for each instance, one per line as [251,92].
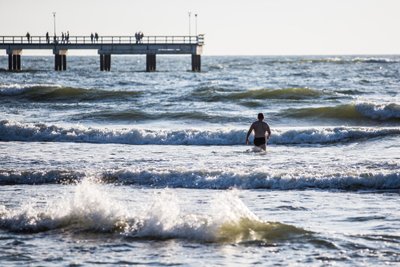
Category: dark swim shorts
[259,141]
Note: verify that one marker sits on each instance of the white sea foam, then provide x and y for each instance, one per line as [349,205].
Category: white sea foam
[202,179]
[258,180]
[90,209]
[15,131]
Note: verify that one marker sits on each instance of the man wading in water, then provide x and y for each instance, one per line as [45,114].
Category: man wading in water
[260,128]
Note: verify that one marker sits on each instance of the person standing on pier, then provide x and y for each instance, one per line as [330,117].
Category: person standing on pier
[67,37]
[47,37]
[91,37]
[28,36]
[62,37]
[137,37]
[141,36]
[96,37]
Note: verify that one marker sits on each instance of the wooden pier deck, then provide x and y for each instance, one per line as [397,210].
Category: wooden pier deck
[106,46]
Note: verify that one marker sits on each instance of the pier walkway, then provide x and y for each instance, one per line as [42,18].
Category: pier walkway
[106,46]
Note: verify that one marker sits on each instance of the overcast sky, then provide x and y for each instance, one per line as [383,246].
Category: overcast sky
[231,27]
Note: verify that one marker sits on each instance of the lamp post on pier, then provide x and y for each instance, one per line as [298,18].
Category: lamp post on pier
[190,16]
[195,23]
[54,22]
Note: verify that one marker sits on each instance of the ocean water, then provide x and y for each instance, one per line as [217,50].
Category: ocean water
[134,168]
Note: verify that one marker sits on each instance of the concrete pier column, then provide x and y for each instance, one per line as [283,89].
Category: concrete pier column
[10,62]
[14,60]
[107,62]
[196,63]
[150,62]
[60,59]
[18,59]
[64,62]
[14,63]
[101,62]
[57,62]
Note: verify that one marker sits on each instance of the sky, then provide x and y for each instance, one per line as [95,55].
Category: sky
[231,27]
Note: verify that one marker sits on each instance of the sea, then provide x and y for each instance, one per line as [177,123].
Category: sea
[129,167]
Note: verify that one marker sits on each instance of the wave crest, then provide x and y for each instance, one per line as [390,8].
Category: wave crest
[91,210]
[220,94]
[357,112]
[59,93]
[14,131]
[201,179]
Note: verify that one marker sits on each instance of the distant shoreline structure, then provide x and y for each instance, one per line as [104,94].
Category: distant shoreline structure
[105,46]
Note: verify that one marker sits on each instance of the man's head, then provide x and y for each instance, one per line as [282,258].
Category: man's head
[260,116]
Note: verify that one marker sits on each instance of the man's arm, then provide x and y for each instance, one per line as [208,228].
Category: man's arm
[268,131]
[248,134]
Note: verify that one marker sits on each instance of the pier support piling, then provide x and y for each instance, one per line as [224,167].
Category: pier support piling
[64,62]
[18,59]
[196,63]
[101,62]
[14,63]
[57,61]
[10,61]
[108,62]
[60,60]
[105,62]
[150,62]
[14,60]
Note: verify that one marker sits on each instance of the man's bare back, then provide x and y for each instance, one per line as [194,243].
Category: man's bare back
[260,128]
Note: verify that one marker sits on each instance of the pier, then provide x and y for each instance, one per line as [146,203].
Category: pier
[151,46]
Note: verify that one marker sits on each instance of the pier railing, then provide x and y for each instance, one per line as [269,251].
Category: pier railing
[81,40]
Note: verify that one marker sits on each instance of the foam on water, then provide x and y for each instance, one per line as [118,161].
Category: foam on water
[15,131]
[90,209]
[203,179]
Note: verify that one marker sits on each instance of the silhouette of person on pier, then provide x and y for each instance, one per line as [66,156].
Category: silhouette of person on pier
[96,37]
[67,37]
[28,37]
[47,37]
[91,37]
[62,37]
[141,36]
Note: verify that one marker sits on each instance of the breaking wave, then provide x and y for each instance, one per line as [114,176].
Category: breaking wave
[46,93]
[89,209]
[216,94]
[354,112]
[14,131]
[202,179]
[226,180]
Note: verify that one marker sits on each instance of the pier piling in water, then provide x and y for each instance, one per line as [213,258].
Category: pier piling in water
[60,59]
[14,59]
[196,63]
[150,62]
[105,62]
